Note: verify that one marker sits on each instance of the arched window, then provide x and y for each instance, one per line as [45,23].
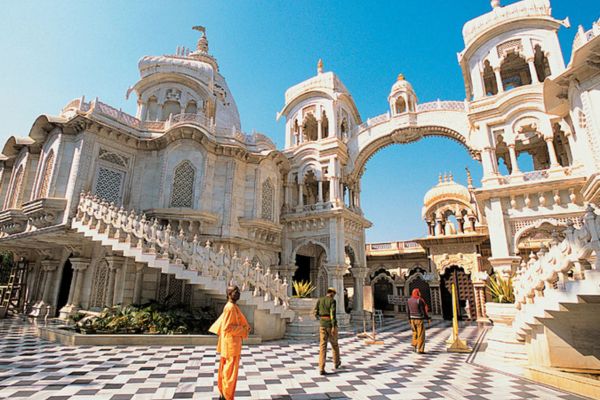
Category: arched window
[489,80]
[542,67]
[46,174]
[309,127]
[344,127]
[296,132]
[152,109]
[182,193]
[514,71]
[170,107]
[400,105]
[15,191]
[267,200]
[324,125]
[191,108]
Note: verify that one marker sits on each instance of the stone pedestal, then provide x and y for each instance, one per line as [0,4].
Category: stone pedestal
[501,341]
[304,326]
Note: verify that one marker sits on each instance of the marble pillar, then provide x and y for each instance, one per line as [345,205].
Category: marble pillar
[79,266]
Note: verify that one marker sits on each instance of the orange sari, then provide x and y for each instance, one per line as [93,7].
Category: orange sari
[231,327]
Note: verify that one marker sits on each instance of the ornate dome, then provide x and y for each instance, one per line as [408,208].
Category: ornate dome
[446,189]
[401,85]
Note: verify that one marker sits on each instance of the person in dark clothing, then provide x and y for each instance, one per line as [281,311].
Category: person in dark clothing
[417,314]
[325,311]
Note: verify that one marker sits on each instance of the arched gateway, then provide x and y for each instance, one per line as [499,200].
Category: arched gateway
[328,146]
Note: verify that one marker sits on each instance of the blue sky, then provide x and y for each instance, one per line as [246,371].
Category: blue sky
[56,51]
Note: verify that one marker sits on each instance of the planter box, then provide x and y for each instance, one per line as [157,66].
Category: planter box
[304,326]
[501,340]
[70,338]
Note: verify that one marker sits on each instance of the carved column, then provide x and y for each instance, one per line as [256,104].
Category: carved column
[301,195]
[513,159]
[114,264]
[138,283]
[320,193]
[335,273]
[532,71]
[79,266]
[40,309]
[499,84]
[319,128]
[359,275]
[551,152]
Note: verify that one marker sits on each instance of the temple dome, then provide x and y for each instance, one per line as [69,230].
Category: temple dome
[446,189]
[401,85]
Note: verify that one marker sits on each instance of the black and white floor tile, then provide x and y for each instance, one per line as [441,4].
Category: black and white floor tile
[31,368]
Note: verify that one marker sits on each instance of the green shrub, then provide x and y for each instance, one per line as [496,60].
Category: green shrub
[149,318]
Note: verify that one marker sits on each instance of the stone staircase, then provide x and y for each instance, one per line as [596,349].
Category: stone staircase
[557,295]
[147,242]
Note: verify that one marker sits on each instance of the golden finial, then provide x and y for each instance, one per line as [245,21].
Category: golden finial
[450,177]
[320,66]
[400,77]
[440,178]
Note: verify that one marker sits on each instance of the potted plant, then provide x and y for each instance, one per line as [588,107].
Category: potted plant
[304,325]
[500,341]
[501,309]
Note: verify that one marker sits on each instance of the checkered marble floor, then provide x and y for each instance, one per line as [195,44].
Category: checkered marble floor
[31,368]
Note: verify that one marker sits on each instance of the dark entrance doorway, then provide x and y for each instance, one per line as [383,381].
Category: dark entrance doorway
[381,289]
[65,286]
[303,271]
[419,283]
[465,293]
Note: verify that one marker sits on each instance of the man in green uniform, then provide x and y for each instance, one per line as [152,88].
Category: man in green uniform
[325,311]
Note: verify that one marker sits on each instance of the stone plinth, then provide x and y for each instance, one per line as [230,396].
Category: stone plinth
[501,341]
[304,326]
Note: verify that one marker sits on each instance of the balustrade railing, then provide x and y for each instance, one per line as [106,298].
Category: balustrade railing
[148,236]
[551,268]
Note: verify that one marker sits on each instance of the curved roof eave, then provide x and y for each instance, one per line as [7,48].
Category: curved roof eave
[162,77]
[327,92]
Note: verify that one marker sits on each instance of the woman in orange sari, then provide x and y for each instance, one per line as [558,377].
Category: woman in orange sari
[231,327]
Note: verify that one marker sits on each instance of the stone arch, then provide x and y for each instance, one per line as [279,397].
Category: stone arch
[537,225]
[308,242]
[406,135]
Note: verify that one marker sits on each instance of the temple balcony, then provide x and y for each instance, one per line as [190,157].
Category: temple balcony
[44,212]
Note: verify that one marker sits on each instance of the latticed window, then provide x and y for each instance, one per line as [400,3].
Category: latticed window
[99,285]
[16,189]
[46,174]
[267,200]
[108,184]
[182,193]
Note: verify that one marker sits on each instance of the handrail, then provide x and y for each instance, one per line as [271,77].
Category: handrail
[150,237]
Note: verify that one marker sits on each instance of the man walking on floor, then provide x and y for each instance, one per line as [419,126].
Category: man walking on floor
[231,327]
[417,314]
[325,311]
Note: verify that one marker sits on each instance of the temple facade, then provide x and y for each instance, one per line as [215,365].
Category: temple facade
[175,202]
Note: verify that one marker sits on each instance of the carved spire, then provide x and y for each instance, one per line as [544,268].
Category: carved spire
[320,66]
[469,178]
[400,77]
[440,179]
[495,3]
[202,46]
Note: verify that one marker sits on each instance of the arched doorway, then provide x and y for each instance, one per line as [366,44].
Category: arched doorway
[419,283]
[465,293]
[309,260]
[65,286]
[383,286]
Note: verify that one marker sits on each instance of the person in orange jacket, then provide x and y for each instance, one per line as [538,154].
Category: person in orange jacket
[231,327]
